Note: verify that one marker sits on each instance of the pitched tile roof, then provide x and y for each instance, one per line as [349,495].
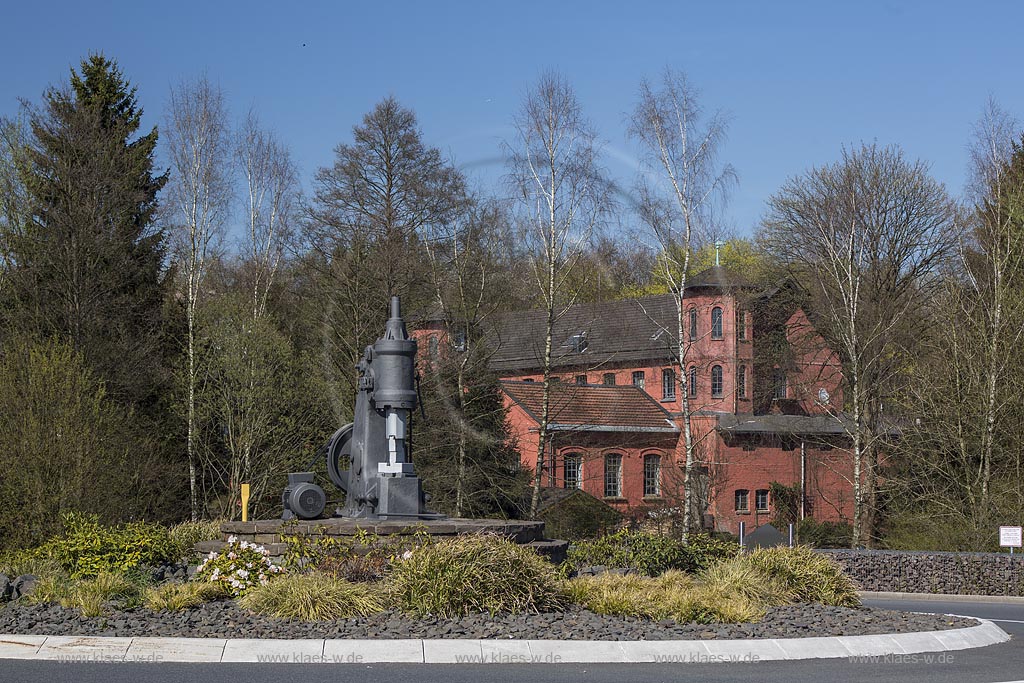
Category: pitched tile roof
[588,334]
[592,407]
[611,331]
[717,277]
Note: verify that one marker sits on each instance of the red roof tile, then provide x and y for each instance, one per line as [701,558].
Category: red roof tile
[592,407]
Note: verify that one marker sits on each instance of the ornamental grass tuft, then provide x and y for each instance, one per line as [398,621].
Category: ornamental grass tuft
[174,597]
[314,597]
[88,595]
[727,592]
[468,574]
[810,576]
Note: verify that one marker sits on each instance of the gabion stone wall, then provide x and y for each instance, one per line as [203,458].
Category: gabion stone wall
[933,572]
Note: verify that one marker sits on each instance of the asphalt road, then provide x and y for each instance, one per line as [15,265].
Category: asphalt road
[994,664]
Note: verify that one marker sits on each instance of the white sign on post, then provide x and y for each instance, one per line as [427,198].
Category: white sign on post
[1010,537]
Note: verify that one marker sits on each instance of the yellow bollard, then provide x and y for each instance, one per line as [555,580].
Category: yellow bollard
[245,502]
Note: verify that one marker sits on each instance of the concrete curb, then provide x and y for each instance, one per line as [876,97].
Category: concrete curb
[940,597]
[858,649]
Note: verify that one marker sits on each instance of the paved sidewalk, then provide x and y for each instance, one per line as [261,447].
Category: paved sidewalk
[99,649]
[943,597]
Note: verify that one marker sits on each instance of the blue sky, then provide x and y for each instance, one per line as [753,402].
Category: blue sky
[798,79]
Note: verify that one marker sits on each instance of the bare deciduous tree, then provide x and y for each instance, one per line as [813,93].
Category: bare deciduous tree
[968,395]
[562,197]
[370,212]
[678,200]
[869,235]
[199,147]
[271,185]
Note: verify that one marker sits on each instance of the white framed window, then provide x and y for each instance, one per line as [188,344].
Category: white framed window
[742,500]
[639,378]
[572,471]
[652,474]
[668,384]
[612,475]
[761,500]
[716,381]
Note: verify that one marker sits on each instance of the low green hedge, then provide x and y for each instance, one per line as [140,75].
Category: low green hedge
[88,548]
[650,554]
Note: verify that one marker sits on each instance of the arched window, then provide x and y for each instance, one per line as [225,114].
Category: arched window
[693,324]
[652,475]
[433,346]
[716,381]
[691,382]
[742,325]
[612,475]
[741,381]
[668,384]
[716,323]
[572,471]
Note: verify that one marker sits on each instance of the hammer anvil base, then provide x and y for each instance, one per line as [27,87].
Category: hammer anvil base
[399,496]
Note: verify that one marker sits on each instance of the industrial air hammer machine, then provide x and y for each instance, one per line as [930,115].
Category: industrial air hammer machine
[369,458]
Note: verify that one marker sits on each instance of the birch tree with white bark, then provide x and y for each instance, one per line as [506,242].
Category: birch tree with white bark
[869,236]
[964,451]
[198,146]
[682,188]
[561,199]
[271,199]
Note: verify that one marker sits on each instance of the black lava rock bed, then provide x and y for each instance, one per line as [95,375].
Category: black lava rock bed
[226,620]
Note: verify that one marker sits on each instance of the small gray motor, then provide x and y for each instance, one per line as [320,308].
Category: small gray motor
[302,498]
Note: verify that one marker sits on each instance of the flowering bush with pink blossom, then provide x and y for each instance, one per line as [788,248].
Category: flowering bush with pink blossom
[240,566]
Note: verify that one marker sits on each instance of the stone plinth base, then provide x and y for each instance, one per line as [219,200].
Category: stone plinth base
[270,532]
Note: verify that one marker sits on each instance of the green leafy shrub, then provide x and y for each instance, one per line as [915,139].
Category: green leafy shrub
[18,562]
[649,554]
[706,550]
[178,596]
[809,576]
[88,595]
[88,548]
[467,574]
[313,597]
[824,534]
[240,566]
[185,535]
[579,516]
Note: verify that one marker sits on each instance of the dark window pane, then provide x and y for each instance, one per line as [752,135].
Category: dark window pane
[573,471]
[652,475]
[612,476]
[668,384]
